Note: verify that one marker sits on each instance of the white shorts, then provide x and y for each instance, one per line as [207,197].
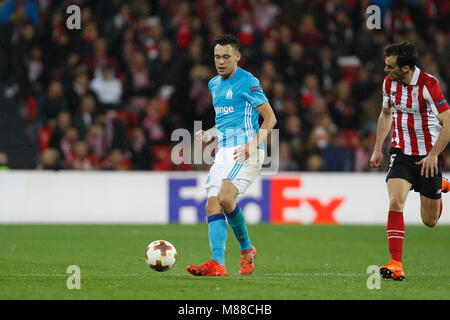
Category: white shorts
[241,174]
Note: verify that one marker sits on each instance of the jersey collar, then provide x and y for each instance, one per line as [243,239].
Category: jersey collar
[415,76]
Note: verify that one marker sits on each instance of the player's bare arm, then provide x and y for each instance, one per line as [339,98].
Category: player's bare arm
[429,163]
[265,110]
[383,128]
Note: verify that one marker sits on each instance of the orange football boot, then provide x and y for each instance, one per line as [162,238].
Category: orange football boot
[209,268]
[394,270]
[445,185]
[247,264]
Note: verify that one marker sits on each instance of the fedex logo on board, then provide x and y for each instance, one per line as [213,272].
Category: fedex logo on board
[272,201]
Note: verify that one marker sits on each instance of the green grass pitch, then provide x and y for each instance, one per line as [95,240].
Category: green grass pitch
[294,262]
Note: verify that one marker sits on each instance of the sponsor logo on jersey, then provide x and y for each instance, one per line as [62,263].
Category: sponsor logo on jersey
[405,109]
[224,110]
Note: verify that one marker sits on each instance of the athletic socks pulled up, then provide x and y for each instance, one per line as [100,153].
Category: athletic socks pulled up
[217,234]
[395,234]
[237,223]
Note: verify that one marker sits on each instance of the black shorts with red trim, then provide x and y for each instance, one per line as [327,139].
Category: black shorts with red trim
[404,167]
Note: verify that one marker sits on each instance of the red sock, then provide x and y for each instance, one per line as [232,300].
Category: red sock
[395,234]
[440,209]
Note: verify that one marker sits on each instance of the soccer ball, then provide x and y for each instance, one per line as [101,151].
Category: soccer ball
[160,255]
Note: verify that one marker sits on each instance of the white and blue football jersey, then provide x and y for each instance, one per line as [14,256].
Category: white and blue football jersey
[235,101]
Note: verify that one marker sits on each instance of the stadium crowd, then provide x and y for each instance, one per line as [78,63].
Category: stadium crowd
[108,96]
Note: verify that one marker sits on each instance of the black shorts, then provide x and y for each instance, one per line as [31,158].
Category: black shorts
[405,167]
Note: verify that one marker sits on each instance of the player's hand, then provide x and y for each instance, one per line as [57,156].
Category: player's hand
[429,166]
[244,152]
[203,136]
[376,160]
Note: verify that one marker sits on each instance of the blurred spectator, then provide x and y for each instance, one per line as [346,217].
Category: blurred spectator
[11,10]
[363,153]
[308,34]
[164,69]
[49,159]
[322,132]
[314,163]
[67,142]
[294,67]
[286,163]
[100,58]
[63,123]
[80,158]
[52,103]
[310,90]
[107,87]
[336,155]
[264,13]
[96,140]
[84,116]
[77,91]
[35,65]
[140,150]
[138,79]
[152,121]
[117,161]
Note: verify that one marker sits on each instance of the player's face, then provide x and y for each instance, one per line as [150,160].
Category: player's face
[226,59]
[392,68]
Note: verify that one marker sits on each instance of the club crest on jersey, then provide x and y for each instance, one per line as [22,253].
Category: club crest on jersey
[229,94]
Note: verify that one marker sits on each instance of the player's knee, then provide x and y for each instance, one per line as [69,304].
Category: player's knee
[212,206]
[226,201]
[227,196]
[396,204]
[430,221]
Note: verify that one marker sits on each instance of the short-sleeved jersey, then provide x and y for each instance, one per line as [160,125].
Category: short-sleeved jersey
[235,101]
[414,108]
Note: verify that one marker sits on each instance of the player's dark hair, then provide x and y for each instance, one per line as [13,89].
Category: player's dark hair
[230,39]
[405,53]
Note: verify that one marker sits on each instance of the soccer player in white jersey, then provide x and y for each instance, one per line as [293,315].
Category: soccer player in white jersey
[238,100]
[414,105]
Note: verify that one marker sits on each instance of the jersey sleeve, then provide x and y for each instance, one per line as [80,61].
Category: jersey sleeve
[386,94]
[254,93]
[436,97]
[210,84]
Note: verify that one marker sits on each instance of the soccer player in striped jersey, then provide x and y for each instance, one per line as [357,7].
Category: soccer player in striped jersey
[238,100]
[414,105]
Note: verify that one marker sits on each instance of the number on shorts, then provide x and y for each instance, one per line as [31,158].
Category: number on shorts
[391,162]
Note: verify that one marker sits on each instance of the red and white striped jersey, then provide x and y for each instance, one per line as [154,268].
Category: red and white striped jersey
[414,109]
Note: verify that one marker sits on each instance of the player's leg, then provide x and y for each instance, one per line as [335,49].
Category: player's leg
[431,189]
[217,235]
[430,210]
[398,191]
[217,227]
[227,199]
